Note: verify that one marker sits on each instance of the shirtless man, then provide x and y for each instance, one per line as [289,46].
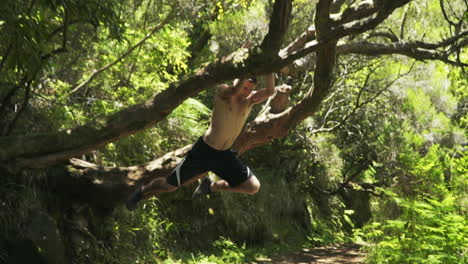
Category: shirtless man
[212,152]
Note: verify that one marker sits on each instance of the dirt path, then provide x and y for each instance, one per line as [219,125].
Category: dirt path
[337,255]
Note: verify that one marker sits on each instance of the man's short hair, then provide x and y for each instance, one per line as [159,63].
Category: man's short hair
[253,80]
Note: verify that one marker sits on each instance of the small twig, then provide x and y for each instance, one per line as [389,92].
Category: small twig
[403,22]
[388,85]
[130,72]
[446,17]
[440,44]
[27,96]
[31,5]
[344,184]
[359,104]
[146,16]
[336,6]
[10,94]
[64,68]
[330,110]
[7,130]
[369,188]
[70,22]
[388,35]
[5,57]
[65,28]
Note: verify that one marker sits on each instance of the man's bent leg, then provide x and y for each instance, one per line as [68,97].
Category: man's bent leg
[157,186]
[250,186]
[160,185]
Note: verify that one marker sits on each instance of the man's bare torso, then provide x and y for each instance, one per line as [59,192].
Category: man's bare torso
[227,121]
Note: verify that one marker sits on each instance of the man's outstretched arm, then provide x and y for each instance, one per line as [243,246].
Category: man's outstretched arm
[261,95]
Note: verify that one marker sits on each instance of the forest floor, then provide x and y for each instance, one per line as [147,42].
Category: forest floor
[342,254]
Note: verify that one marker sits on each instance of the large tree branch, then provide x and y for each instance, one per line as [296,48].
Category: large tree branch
[279,23]
[441,50]
[356,11]
[46,149]
[112,184]
[353,13]
[102,184]
[417,50]
[264,130]
[342,30]
[462,37]
[325,61]
[261,131]
[360,17]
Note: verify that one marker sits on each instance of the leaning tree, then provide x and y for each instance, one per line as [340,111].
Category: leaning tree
[339,28]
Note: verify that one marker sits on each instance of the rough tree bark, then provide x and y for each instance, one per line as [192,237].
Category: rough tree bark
[106,187]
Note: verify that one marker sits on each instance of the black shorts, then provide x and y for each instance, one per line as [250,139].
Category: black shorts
[202,158]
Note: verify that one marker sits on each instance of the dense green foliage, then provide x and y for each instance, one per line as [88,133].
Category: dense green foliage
[383,163]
